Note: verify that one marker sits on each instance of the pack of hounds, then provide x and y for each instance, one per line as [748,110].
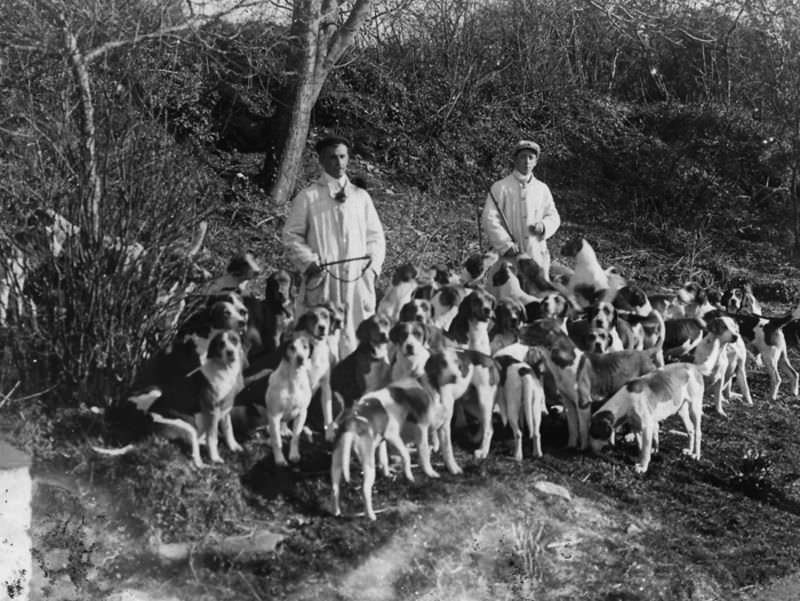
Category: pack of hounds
[448,350]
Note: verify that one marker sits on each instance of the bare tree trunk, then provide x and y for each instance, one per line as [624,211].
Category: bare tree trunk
[319,46]
[91,212]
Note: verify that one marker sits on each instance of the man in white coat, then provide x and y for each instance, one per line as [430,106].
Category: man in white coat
[333,220]
[529,216]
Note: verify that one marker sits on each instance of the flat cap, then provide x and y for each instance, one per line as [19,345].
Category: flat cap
[527,145]
[329,141]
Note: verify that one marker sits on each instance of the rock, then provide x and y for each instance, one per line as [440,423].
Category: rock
[134,595]
[556,490]
[633,529]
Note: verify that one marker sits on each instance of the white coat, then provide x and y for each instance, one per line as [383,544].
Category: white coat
[524,202]
[320,230]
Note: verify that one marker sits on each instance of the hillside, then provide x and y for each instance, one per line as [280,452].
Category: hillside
[675,168]
[685,531]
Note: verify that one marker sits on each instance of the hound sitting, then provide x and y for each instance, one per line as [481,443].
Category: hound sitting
[589,283]
[380,416]
[476,268]
[404,283]
[644,402]
[288,397]
[198,403]
[506,284]
[444,305]
[316,326]
[409,355]
[240,270]
[272,317]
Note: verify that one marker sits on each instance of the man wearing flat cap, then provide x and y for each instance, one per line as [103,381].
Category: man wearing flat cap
[329,222]
[520,215]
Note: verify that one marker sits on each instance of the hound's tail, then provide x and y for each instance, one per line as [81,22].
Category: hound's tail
[143,401]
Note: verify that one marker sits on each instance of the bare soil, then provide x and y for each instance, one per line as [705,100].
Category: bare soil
[148,526]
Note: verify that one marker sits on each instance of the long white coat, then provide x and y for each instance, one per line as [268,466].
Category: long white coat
[523,203]
[320,229]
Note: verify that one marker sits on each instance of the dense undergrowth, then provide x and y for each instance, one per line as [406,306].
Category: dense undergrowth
[668,187]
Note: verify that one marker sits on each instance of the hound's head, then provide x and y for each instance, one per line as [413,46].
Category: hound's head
[442,368]
[554,306]
[509,315]
[404,273]
[476,266]
[295,351]
[478,305]
[225,347]
[573,246]
[373,333]
[602,316]
[749,302]
[633,298]
[243,267]
[409,337]
[224,315]
[417,309]
[601,431]
[234,300]
[279,290]
[336,311]
[690,292]
[438,275]
[316,322]
[598,340]
[724,328]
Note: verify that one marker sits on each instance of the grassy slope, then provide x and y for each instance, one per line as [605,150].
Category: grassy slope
[706,530]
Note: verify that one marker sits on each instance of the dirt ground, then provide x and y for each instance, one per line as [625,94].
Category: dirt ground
[147,526]
[566,526]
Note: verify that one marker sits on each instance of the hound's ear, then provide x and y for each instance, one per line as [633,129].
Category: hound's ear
[362,331]
[716,326]
[602,425]
[395,332]
[426,333]
[501,276]
[283,348]
[304,322]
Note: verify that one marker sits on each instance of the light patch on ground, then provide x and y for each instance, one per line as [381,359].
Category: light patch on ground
[497,545]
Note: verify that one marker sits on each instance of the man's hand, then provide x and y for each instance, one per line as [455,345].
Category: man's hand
[537,229]
[313,270]
[512,251]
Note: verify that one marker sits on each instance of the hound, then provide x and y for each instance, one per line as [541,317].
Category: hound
[644,402]
[590,282]
[316,326]
[409,354]
[720,356]
[288,397]
[380,416]
[404,283]
[470,326]
[199,403]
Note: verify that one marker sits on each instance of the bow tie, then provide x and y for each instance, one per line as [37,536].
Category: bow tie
[340,196]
